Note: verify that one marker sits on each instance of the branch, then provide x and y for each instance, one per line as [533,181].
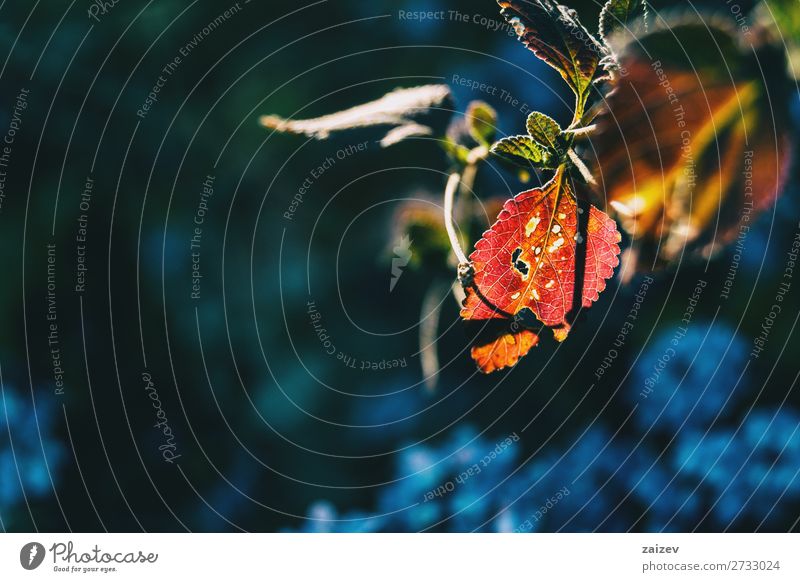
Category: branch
[449,194]
[587,175]
[465,181]
[582,131]
[428,333]
[477,154]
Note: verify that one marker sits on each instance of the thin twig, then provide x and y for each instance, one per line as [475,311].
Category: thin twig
[462,204]
[428,333]
[449,194]
[465,270]
[477,154]
[468,179]
[583,131]
[458,294]
[587,175]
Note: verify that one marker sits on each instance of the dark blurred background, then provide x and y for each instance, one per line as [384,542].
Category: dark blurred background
[131,404]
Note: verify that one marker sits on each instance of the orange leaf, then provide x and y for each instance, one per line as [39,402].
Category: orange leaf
[692,141]
[535,255]
[504,351]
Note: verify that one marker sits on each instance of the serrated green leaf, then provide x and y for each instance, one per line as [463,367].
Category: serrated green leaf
[481,121]
[523,147]
[545,130]
[618,15]
[554,33]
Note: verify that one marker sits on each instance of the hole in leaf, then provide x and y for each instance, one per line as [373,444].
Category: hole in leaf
[521,266]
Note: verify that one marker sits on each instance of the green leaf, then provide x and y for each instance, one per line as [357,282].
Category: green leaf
[621,15]
[456,151]
[545,131]
[785,14]
[782,19]
[522,147]
[554,33]
[481,121]
[407,112]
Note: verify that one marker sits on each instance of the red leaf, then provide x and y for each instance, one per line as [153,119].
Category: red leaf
[527,260]
[504,351]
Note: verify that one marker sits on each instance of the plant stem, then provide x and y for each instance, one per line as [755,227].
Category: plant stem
[429,331]
[462,204]
[449,194]
[465,181]
[462,211]
[477,154]
[468,179]
[587,175]
[583,131]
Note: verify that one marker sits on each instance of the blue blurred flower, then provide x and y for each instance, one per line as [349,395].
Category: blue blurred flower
[598,483]
[455,483]
[688,378]
[747,472]
[470,483]
[30,455]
